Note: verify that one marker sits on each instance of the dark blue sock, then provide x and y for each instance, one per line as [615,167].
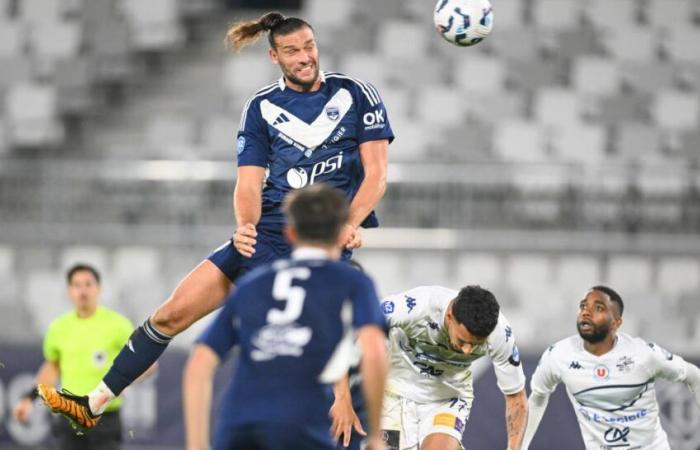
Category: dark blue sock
[144,347]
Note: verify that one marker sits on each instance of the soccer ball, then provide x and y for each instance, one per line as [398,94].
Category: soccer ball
[463,22]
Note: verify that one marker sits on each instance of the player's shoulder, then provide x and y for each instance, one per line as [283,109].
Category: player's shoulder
[264,92]
[642,347]
[564,348]
[355,85]
[64,320]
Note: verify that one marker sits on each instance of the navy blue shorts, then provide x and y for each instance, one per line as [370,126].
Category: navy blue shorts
[273,436]
[268,248]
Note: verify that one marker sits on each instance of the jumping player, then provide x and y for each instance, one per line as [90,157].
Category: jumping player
[307,127]
[435,335]
[293,321]
[609,378]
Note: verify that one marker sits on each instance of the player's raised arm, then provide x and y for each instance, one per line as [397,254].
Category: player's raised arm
[666,365]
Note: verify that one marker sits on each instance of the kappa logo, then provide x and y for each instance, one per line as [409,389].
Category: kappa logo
[410,303]
[575,365]
[509,333]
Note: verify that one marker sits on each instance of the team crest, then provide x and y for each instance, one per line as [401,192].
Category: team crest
[333,112]
[625,364]
[601,372]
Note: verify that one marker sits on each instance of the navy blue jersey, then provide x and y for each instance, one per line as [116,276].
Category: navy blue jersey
[307,137]
[293,321]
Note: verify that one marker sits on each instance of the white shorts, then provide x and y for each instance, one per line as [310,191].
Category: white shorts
[415,421]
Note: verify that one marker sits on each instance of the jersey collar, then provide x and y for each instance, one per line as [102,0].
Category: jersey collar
[309,253]
[283,85]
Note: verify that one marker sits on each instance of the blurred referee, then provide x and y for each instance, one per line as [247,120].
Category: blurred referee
[78,350]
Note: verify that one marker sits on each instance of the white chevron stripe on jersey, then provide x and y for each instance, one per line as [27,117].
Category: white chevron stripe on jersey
[309,135]
[369,90]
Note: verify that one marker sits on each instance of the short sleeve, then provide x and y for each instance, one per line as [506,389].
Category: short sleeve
[546,377]
[50,347]
[366,304]
[253,146]
[222,335]
[372,115]
[505,356]
[666,365]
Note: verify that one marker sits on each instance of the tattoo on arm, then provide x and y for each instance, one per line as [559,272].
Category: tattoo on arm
[516,418]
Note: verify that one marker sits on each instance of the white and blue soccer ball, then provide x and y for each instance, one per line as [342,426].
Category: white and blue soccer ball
[463,22]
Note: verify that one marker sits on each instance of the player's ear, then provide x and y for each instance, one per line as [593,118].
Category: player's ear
[273,55]
[290,234]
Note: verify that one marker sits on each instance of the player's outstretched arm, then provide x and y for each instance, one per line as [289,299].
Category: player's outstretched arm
[373,368]
[516,418]
[374,156]
[196,394]
[47,374]
[343,414]
[537,404]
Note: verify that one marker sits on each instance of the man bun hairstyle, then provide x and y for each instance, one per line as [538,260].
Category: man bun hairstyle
[613,295]
[477,309]
[273,23]
[317,212]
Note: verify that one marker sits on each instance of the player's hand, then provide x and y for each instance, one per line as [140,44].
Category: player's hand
[375,443]
[23,410]
[244,239]
[350,237]
[344,420]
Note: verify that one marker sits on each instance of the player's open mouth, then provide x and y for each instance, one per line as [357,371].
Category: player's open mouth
[304,71]
[585,325]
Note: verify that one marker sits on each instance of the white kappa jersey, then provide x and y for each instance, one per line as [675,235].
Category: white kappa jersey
[423,366]
[613,394]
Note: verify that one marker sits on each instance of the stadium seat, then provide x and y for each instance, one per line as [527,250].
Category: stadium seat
[595,76]
[53,42]
[46,299]
[647,77]
[84,254]
[534,74]
[439,106]
[572,43]
[246,73]
[31,115]
[676,111]
[661,180]
[557,14]
[74,80]
[327,13]
[484,269]
[520,141]
[15,69]
[629,275]
[509,14]
[529,277]
[387,269]
[395,36]
[8,277]
[579,143]
[493,107]
[668,14]
[155,24]
[12,38]
[40,12]
[608,14]
[517,44]
[636,142]
[631,44]
[138,298]
[575,274]
[425,268]
[411,142]
[558,107]
[480,73]
[469,141]
[135,263]
[110,44]
[219,135]
[682,44]
[678,275]
[167,132]
[374,12]
[622,108]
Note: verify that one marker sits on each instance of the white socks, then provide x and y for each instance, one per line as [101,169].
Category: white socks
[99,398]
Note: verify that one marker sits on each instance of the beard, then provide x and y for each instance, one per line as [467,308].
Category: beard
[596,333]
[305,84]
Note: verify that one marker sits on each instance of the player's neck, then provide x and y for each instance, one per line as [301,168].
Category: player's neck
[85,312]
[602,347]
[302,88]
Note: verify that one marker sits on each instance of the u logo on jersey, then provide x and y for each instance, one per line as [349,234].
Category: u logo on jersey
[601,372]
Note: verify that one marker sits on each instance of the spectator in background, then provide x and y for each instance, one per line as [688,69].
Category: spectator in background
[79,347]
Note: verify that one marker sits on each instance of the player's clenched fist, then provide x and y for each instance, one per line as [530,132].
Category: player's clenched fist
[350,237]
[244,239]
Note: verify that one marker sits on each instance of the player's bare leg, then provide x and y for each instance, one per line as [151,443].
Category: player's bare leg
[199,293]
[440,441]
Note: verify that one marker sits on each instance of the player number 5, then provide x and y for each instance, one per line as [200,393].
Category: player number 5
[282,290]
